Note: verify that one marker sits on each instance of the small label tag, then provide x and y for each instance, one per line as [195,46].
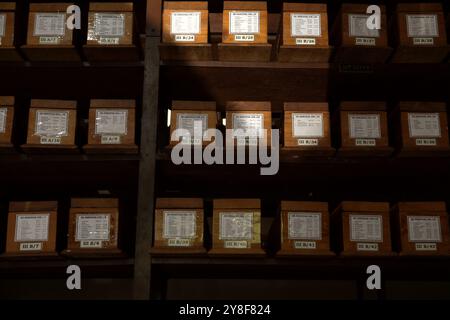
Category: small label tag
[365,142]
[49,40]
[308,142]
[305,245]
[178,242]
[236,244]
[108,40]
[365,41]
[108,139]
[244,37]
[50,140]
[305,41]
[426,246]
[423,41]
[185,37]
[91,244]
[367,246]
[31,246]
[425,142]
[194,141]
[247,141]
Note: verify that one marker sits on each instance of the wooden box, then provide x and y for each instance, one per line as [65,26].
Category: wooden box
[6,123]
[362,228]
[31,229]
[422,129]
[178,226]
[307,129]
[364,129]
[244,32]
[252,119]
[185,31]
[186,113]
[48,38]
[356,43]
[304,33]
[7,16]
[422,228]
[93,228]
[305,229]
[51,126]
[421,35]
[110,34]
[111,127]
[237,227]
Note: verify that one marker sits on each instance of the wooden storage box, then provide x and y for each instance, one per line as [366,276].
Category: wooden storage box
[304,33]
[7,16]
[362,229]
[186,113]
[422,228]
[93,228]
[305,229]
[422,129]
[307,129]
[6,123]
[252,119]
[244,32]
[111,35]
[421,35]
[185,31]
[51,126]
[357,44]
[178,226]
[111,127]
[31,229]
[237,227]
[48,37]
[364,129]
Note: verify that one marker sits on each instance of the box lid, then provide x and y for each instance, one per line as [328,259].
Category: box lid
[312,206]
[111,6]
[422,206]
[237,203]
[116,103]
[419,7]
[194,105]
[422,106]
[24,206]
[7,6]
[248,106]
[6,101]
[179,203]
[304,7]
[185,5]
[94,203]
[53,104]
[306,106]
[245,5]
[49,7]
[363,106]
[364,206]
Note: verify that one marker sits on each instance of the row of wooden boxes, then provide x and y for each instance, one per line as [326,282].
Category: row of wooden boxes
[359,129]
[303,228]
[417,31]
[52,126]
[111,32]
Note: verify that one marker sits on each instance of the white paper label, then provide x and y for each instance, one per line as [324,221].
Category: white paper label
[52,123]
[365,142]
[32,227]
[92,227]
[365,41]
[50,140]
[305,225]
[49,40]
[364,126]
[185,22]
[110,139]
[424,125]
[180,224]
[185,37]
[91,244]
[305,25]
[423,41]
[422,25]
[236,225]
[305,245]
[307,125]
[244,37]
[358,26]
[189,121]
[305,41]
[108,40]
[233,244]
[426,142]
[424,229]
[426,247]
[111,121]
[30,246]
[307,142]
[109,24]
[2,24]
[248,124]
[3,115]
[244,22]
[367,247]
[49,24]
[366,228]
[178,242]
